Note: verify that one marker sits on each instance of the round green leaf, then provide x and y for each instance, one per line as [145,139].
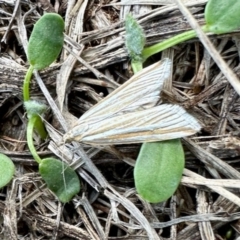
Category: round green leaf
[158,170]
[46,40]
[60,178]
[7,170]
[222,16]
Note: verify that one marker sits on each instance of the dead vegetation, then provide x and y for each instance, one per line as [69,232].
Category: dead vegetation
[93,62]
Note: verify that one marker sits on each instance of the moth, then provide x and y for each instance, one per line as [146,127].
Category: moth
[131,114]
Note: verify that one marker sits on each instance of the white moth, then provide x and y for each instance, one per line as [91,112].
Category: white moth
[130,114]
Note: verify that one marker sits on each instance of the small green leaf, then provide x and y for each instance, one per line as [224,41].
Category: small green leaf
[60,178]
[158,170]
[34,108]
[135,38]
[222,16]
[7,169]
[46,40]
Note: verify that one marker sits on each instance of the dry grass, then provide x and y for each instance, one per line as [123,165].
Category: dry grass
[206,204]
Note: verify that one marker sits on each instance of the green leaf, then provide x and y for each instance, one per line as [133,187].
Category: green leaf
[158,170]
[135,38]
[34,108]
[60,178]
[46,40]
[222,16]
[7,169]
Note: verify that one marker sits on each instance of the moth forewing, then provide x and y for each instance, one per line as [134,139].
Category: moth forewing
[159,123]
[140,91]
[129,114]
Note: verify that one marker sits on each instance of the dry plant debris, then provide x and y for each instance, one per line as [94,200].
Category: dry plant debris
[93,62]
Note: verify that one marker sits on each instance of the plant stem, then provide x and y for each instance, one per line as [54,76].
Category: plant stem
[26,82]
[136,66]
[30,128]
[39,126]
[149,51]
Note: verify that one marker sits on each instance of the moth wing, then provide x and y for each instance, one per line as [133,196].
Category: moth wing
[159,123]
[142,91]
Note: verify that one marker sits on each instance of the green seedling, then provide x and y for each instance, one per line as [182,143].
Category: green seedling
[60,178]
[44,46]
[221,17]
[7,170]
[155,176]
[158,170]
